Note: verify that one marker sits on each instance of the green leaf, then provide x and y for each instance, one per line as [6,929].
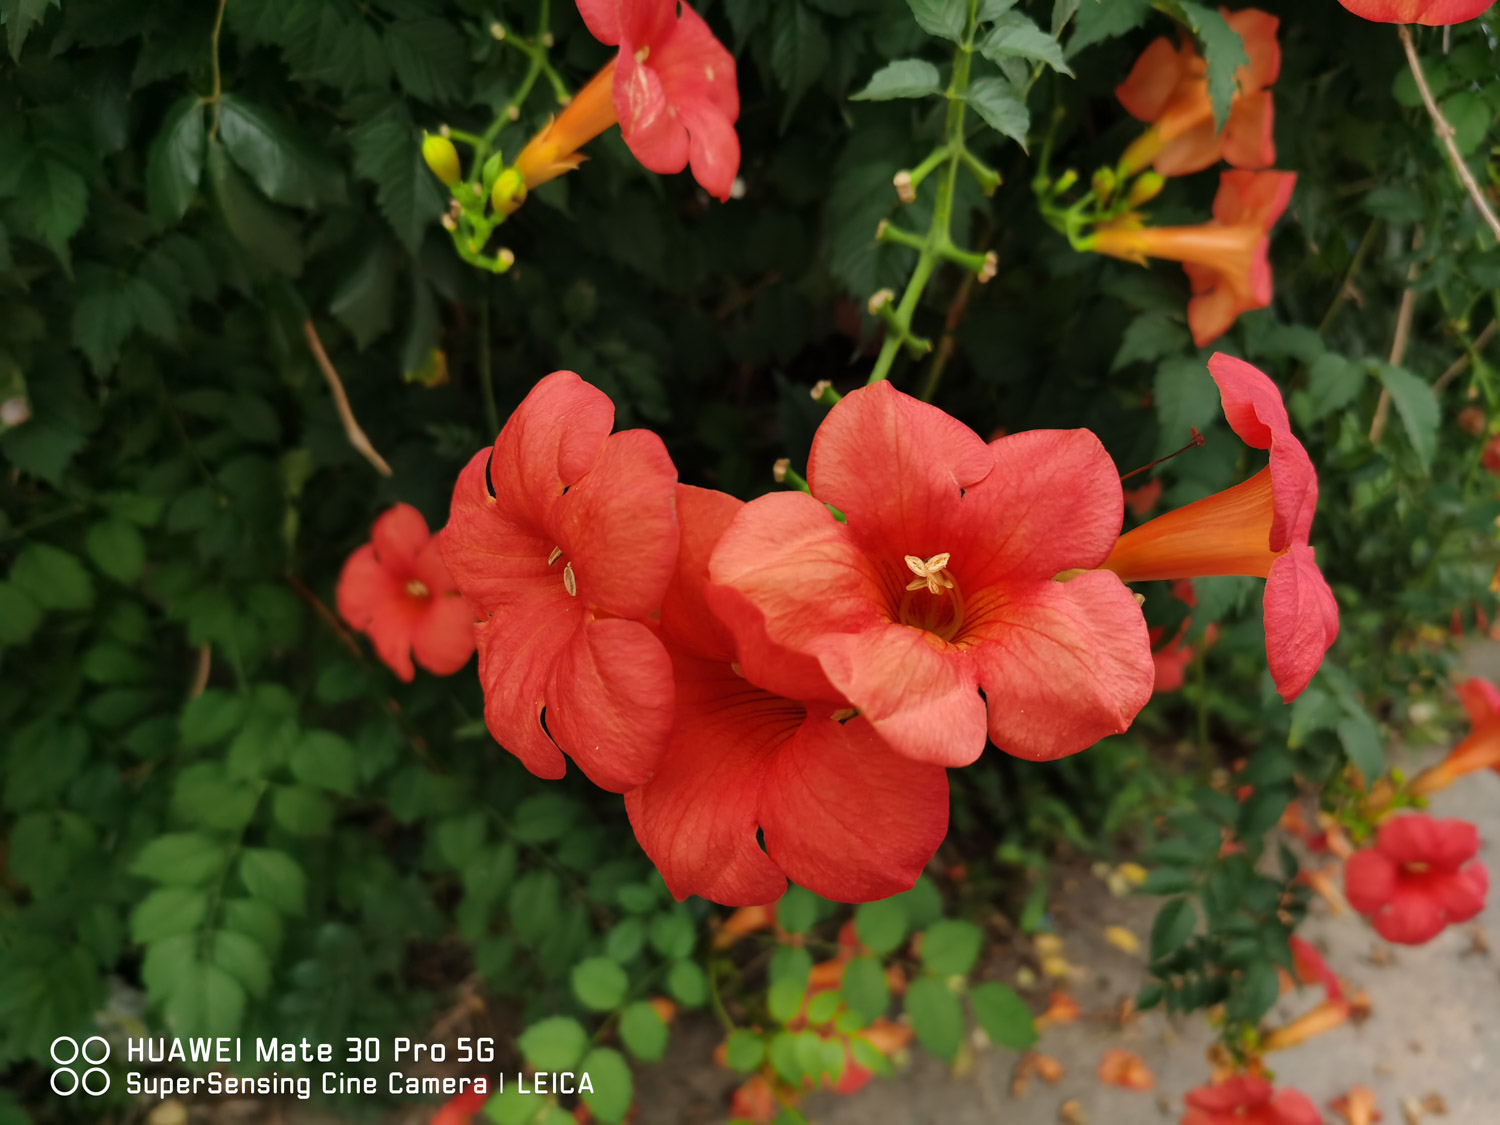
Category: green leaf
[19,615]
[1361,740]
[544,818]
[364,299]
[429,57]
[282,163]
[643,1031]
[1417,407]
[996,100]
[274,877]
[945,18]
[52,202]
[1186,399]
[242,958]
[117,549]
[302,811]
[1168,881]
[1098,20]
[325,760]
[204,794]
[882,925]
[799,52]
[535,904]
[1333,382]
[865,988]
[745,1050]
[1173,926]
[209,1002]
[174,163]
[52,577]
[167,911]
[388,152]
[1151,335]
[1256,993]
[20,16]
[210,717]
[255,919]
[1003,1015]
[1471,117]
[186,858]
[554,1044]
[797,912]
[599,983]
[936,1016]
[1223,51]
[614,1087]
[923,903]
[904,78]
[950,947]
[790,969]
[688,983]
[1016,36]
[262,229]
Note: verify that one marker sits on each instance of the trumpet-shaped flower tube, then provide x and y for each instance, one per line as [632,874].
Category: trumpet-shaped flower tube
[1258,528]
[671,88]
[396,590]
[940,585]
[1168,89]
[840,812]
[564,536]
[1226,259]
[1480,750]
[1418,879]
[1248,1100]
[1434,13]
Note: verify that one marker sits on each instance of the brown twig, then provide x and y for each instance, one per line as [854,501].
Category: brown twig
[1399,342]
[352,429]
[200,674]
[1461,364]
[1445,133]
[949,341]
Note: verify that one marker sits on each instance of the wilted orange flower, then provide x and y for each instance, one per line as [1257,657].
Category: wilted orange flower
[1357,1106]
[746,920]
[1325,1017]
[1125,1069]
[1061,1009]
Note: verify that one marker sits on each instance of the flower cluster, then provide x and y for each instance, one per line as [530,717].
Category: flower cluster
[778,687]
[1418,879]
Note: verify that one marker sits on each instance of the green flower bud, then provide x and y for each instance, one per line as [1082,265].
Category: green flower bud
[1104,184]
[1065,181]
[509,193]
[442,158]
[1147,188]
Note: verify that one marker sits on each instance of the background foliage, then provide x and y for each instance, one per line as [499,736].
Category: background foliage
[221,816]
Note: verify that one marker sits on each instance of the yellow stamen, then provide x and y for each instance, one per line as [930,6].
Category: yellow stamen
[416,589]
[554,556]
[930,573]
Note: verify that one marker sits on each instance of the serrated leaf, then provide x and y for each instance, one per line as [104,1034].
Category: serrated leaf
[180,858]
[904,78]
[950,947]
[388,152]
[167,911]
[282,163]
[1361,740]
[1016,36]
[1333,382]
[1417,408]
[1097,20]
[799,52]
[52,577]
[364,300]
[936,1016]
[881,925]
[1172,927]
[302,811]
[263,230]
[19,615]
[429,57]
[1186,398]
[117,549]
[209,717]
[242,958]
[945,18]
[210,1003]
[996,101]
[325,760]
[52,200]
[274,877]
[865,988]
[1223,52]
[20,16]
[1151,335]
[1003,1015]
[174,163]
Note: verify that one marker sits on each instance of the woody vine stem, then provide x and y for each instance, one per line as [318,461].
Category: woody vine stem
[936,245]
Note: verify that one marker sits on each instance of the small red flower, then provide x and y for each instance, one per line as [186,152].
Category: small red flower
[1168,89]
[1225,259]
[1434,13]
[1490,458]
[1247,1100]
[396,590]
[840,812]
[939,584]
[460,1109]
[1259,528]
[1418,879]
[564,537]
[671,88]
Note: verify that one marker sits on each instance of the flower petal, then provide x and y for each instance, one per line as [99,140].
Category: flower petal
[1053,502]
[609,702]
[517,652]
[917,691]
[695,68]
[686,619]
[784,575]
[1461,894]
[1293,1107]
[1413,917]
[444,637]
[1370,880]
[375,602]
[493,558]
[398,538]
[1191,151]
[551,440]
[1301,620]
[1153,79]
[617,526]
[714,149]
[697,816]
[429,569]
[1433,13]
[656,135]
[602,18]
[1062,665]
[1417,838]
[1257,30]
[1481,700]
[896,467]
[1249,135]
[847,817]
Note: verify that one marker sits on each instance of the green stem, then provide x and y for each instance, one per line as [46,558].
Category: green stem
[213,126]
[486,375]
[512,110]
[938,243]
